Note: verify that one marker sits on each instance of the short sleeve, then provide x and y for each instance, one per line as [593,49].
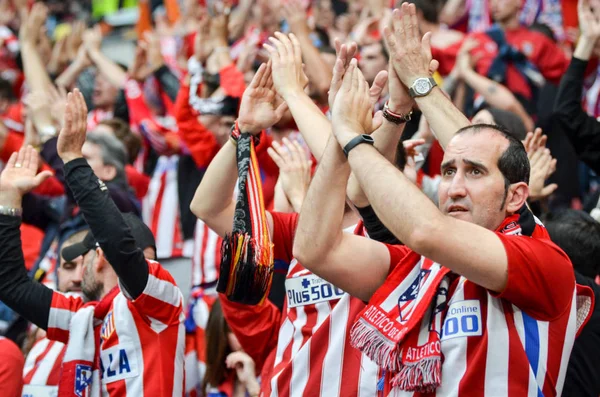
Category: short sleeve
[541,280]
[397,255]
[161,300]
[11,368]
[62,309]
[284,230]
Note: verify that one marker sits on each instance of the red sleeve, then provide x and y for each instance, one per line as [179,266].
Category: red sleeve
[284,231]
[201,143]
[11,368]
[138,181]
[551,60]
[138,110]
[541,281]
[256,327]
[232,81]
[397,255]
[161,300]
[13,143]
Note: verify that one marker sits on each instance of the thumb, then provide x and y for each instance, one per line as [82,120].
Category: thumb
[377,120]
[433,66]
[41,177]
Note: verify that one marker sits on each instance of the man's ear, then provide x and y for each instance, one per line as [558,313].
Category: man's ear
[101,262]
[517,197]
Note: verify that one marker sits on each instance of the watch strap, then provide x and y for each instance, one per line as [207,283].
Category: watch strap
[354,142]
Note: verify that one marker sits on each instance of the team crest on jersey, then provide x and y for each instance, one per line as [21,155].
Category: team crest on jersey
[108,326]
[83,380]
[527,48]
[406,301]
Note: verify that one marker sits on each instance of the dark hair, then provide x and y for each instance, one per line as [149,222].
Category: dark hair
[513,163]
[578,234]
[429,8]
[217,348]
[6,90]
[132,142]
[510,121]
[543,29]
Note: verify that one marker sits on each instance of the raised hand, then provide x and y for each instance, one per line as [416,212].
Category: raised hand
[409,54]
[294,170]
[258,109]
[202,46]
[92,39]
[589,20]
[139,69]
[32,27]
[534,141]
[345,53]
[72,135]
[20,175]
[154,54]
[295,15]
[352,111]
[542,166]
[286,64]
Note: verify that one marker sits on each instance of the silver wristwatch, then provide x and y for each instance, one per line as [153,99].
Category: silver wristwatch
[421,87]
[10,211]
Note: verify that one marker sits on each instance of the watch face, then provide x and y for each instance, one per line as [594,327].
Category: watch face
[422,86]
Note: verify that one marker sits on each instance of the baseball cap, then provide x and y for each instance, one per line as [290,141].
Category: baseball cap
[141,233]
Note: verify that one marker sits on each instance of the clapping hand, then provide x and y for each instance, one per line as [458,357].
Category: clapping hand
[294,170]
[72,134]
[352,112]
[589,20]
[259,108]
[20,176]
[409,54]
[542,166]
[286,63]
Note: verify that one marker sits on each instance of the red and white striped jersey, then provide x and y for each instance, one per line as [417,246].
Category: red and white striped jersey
[160,209]
[201,303]
[95,116]
[516,343]
[142,342]
[206,257]
[43,363]
[313,356]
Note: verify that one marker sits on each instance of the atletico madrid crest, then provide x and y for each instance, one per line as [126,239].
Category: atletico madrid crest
[83,380]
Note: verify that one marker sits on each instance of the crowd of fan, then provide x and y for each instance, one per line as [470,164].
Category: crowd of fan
[165,135]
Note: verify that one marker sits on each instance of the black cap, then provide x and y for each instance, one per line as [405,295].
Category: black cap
[141,233]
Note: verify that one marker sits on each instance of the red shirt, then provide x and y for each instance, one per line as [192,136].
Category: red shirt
[550,60]
[516,342]
[11,369]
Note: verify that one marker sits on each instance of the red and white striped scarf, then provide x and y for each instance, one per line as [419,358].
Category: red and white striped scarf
[80,370]
[407,309]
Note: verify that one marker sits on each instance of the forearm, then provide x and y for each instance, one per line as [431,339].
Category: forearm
[443,117]
[214,195]
[310,120]
[320,224]
[35,72]
[386,139]
[238,19]
[168,82]
[17,290]
[70,75]
[108,68]
[319,73]
[398,203]
[584,48]
[108,226]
